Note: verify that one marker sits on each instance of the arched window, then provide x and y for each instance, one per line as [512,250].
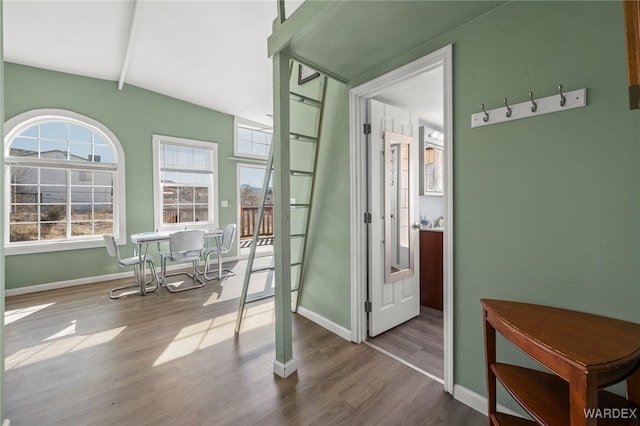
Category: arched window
[64,182]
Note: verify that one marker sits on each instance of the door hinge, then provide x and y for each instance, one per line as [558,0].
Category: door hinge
[367,128]
[367,306]
[367,217]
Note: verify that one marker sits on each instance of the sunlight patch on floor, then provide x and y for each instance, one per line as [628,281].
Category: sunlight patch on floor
[62,333]
[205,334]
[60,347]
[16,314]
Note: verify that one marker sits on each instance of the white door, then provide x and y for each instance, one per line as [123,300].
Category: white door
[394,277]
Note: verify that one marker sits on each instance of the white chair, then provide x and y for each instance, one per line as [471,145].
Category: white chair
[140,274]
[184,246]
[228,235]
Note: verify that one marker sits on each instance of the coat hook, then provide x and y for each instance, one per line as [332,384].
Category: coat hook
[563,100]
[486,114]
[534,105]
[508,109]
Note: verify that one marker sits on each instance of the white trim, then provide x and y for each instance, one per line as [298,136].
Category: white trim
[285,370]
[325,323]
[408,364]
[478,402]
[357,109]
[88,280]
[17,124]
[156,140]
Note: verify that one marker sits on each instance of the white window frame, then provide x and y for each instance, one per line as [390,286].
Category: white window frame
[157,140]
[253,125]
[16,125]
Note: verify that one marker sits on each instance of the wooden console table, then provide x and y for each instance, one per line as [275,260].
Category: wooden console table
[584,353]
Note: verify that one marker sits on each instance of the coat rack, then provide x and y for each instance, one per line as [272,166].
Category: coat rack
[532,107]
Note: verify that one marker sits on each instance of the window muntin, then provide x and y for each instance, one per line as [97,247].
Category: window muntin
[185,176]
[252,139]
[64,185]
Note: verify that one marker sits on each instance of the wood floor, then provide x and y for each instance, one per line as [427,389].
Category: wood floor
[75,357]
[418,341]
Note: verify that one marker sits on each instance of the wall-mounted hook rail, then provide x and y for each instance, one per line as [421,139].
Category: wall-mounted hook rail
[547,105]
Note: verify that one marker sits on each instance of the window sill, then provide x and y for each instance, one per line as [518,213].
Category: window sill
[53,246]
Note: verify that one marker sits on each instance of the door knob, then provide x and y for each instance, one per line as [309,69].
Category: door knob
[416,226]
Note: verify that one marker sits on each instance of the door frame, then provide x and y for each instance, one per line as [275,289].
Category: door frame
[358,97]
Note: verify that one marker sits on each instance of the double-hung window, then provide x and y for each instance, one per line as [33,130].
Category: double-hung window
[185,183]
[64,183]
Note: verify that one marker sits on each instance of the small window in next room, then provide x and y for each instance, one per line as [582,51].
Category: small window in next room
[252,139]
[64,183]
[185,177]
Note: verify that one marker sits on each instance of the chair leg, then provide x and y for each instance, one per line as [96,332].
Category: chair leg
[195,276]
[208,274]
[138,277]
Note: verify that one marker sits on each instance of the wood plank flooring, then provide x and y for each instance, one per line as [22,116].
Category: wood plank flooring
[418,341]
[75,357]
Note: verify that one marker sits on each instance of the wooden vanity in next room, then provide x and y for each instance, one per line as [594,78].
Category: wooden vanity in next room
[431,268]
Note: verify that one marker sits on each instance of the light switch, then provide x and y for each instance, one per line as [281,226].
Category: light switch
[225,203]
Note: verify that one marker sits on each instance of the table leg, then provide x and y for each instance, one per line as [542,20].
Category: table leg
[583,397]
[490,355]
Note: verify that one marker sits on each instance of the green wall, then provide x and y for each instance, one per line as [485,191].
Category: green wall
[547,208]
[133,115]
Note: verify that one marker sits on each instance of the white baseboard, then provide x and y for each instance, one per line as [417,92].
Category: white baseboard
[285,370]
[88,280]
[324,322]
[477,401]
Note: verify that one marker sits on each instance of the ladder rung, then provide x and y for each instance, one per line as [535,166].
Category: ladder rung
[296,264]
[298,235]
[302,138]
[301,173]
[304,99]
[259,297]
[300,205]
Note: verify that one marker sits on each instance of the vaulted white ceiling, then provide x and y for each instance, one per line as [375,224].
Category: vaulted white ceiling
[210,53]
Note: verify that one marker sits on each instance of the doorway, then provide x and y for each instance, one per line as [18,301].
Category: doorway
[383,88]
[250,185]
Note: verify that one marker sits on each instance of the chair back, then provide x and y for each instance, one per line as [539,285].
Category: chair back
[186,241]
[228,235]
[112,246]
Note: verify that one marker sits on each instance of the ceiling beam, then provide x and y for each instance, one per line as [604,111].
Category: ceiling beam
[127,55]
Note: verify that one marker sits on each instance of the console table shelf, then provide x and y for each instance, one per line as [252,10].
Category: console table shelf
[584,354]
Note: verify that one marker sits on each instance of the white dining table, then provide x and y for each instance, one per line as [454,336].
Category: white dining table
[143,239]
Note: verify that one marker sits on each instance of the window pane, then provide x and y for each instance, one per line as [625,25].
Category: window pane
[103,227]
[103,212]
[31,131]
[186,213]
[80,212]
[98,140]
[53,194]
[259,149]
[55,130]
[24,175]
[81,228]
[52,213]
[24,194]
[201,159]
[103,178]
[53,231]
[244,134]
[170,214]
[24,147]
[185,157]
[169,177]
[170,194]
[53,176]
[23,232]
[23,213]
[169,156]
[81,177]
[186,195]
[102,195]
[185,178]
[53,150]
[103,154]
[201,194]
[201,213]
[79,133]
[259,137]
[81,194]
[244,147]
[79,151]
